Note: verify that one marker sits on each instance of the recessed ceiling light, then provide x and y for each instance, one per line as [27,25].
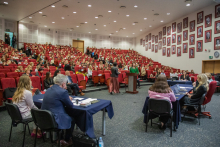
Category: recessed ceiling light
[70,29]
[145,18]
[45,26]
[53,22]
[77,26]
[133,33]
[40,12]
[161,21]
[53,6]
[126,36]
[86,22]
[74,12]
[140,29]
[89,5]
[116,31]
[187,4]
[89,32]
[104,25]
[30,17]
[96,29]
[110,34]
[115,21]
[135,6]
[6,3]
[127,15]
[96,17]
[124,28]
[150,26]
[168,13]
[109,11]
[133,24]
[62,17]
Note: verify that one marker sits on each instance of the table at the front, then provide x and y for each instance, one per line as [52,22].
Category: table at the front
[171,83]
[176,106]
[84,116]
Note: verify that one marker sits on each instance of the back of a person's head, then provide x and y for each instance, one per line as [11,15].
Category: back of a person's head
[114,64]
[60,79]
[56,72]
[160,85]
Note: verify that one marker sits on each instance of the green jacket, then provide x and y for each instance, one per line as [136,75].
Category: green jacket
[134,70]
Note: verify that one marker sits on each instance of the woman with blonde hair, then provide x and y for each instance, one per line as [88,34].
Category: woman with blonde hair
[198,91]
[89,71]
[24,100]
[19,69]
[209,77]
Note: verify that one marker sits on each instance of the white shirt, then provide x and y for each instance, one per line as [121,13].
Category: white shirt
[89,72]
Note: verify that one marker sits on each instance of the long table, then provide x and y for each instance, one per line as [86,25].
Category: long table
[171,83]
[176,105]
[84,116]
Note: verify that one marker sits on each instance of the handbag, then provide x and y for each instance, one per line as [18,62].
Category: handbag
[80,140]
[9,92]
[35,91]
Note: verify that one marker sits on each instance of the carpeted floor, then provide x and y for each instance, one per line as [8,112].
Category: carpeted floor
[126,129]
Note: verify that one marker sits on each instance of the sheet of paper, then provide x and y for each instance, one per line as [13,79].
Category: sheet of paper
[76,104]
[41,99]
[78,98]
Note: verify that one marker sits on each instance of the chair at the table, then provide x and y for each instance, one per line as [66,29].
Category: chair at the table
[16,118]
[160,108]
[49,124]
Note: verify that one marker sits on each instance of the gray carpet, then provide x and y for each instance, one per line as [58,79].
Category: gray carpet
[126,128]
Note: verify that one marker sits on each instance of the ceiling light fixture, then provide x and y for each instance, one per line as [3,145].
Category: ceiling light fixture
[124,28]
[53,22]
[115,21]
[150,26]
[96,17]
[133,33]
[145,18]
[62,17]
[104,25]
[45,26]
[53,6]
[116,31]
[109,11]
[168,13]
[135,6]
[40,12]
[89,32]
[30,17]
[127,15]
[133,24]
[74,12]
[161,21]
[188,2]
[126,36]
[140,29]
[110,34]
[89,5]
[77,26]
[6,3]
[86,22]
[187,5]
[96,29]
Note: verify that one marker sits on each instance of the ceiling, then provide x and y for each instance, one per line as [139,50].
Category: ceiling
[19,9]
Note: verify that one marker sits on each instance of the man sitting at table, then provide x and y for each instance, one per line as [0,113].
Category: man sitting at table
[161,90]
[184,77]
[56,100]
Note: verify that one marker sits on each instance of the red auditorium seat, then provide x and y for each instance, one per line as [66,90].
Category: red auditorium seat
[42,78]
[8,82]
[36,82]
[107,78]
[33,73]
[5,70]
[17,80]
[81,81]
[95,77]
[12,75]
[8,67]
[62,72]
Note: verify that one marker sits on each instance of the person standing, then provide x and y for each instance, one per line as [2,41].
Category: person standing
[14,39]
[114,84]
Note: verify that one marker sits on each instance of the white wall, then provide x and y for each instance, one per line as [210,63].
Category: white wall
[183,62]
[2,26]
[31,33]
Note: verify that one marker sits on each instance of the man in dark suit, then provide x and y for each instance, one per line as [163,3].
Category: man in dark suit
[56,100]
[72,85]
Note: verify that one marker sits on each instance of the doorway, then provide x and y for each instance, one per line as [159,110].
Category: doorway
[211,66]
[10,34]
[79,45]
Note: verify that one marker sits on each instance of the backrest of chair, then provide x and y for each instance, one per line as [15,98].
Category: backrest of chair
[107,75]
[43,119]
[8,82]
[12,74]
[159,106]
[74,79]
[202,99]
[36,82]
[42,78]
[80,77]
[210,92]
[13,111]
[2,75]
[120,78]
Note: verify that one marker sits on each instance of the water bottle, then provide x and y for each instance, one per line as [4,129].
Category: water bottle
[101,143]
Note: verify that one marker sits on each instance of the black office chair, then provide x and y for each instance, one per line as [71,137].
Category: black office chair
[16,118]
[198,106]
[44,120]
[160,108]
[174,78]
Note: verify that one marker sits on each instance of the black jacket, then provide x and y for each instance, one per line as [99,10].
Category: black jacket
[115,72]
[197,94]
[186,77]
[67,67]
[47,84]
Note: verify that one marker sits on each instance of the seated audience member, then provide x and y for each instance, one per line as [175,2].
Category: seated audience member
[134,69]
[89,74]
[24,100]
[56,73]
[25,62]
[67,66]
[37,67]
[72,85]
[184,77]
[173,75]
[56,100]
[198,91]
[160,90]
[39,73]
[125,66]
[162,73]
[48,82]
[143,72]
[19,69]
[27,72]
[192,72]
[158,73]
[209,77]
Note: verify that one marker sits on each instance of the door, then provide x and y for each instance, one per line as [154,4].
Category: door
[79,44]
[10,35]
[217,67]
[209,67]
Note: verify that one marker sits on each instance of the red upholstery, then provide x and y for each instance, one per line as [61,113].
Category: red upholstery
[33,73]
[80,78]
[17,80]
[212,87]
[63,72]
[42,78]
[5,70]
[8,82]
[2,75]
[12,74]
[8,67]
[120,78]
[36,82]
[107,71]
[74,79]
[44,72]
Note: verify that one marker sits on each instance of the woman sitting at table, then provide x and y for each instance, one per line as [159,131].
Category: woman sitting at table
[173,75]
[184,77]
[24,100]
[161,90]
[198,91]
[48,82]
